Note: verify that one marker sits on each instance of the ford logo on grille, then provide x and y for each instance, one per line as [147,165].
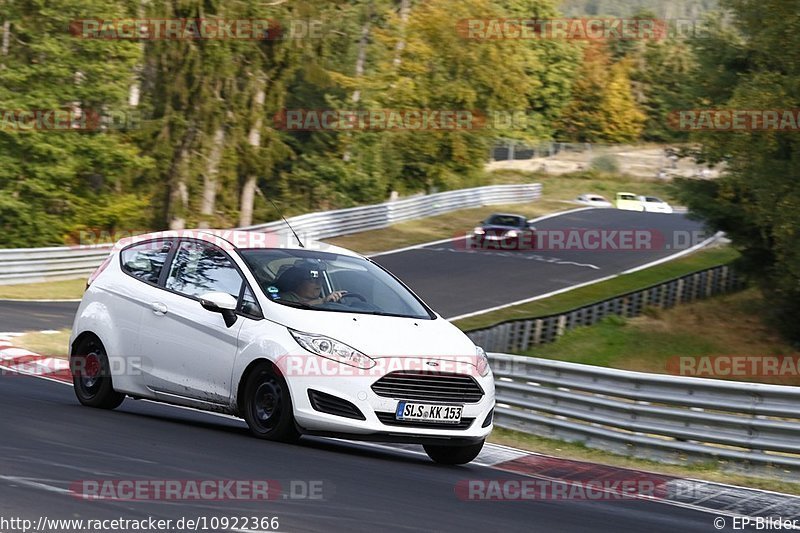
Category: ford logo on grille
[432,363]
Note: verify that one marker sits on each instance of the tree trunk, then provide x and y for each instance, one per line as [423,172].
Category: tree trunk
[6,41]
[178,204]
[405,11]
[209,198]
[254,140]
[360,60]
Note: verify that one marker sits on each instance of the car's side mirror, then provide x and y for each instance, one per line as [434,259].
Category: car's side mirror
[220,302]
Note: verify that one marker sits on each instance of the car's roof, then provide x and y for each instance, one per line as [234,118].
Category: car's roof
[622,192]
[233,239]
[505,215]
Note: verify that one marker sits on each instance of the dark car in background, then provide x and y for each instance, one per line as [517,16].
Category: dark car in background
[503,231]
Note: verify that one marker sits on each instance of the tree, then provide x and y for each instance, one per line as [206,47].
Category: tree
[757,200]
[602,108]
[55,181]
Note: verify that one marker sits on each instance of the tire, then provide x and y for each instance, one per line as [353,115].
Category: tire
[267,406]
[453,455]
[91,376]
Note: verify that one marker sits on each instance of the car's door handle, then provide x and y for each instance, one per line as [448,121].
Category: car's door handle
[159,308]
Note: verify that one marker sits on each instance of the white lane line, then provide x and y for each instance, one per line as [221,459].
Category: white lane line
[589,265]
[687,251]
[516,255]
[414,247]
[6,353]
[35,484]
[559,213]
[46,301]
[533,299]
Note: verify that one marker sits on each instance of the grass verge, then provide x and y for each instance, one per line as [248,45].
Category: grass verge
[731,324]
[49,290]
[711,471]
[600,291]
[48,344]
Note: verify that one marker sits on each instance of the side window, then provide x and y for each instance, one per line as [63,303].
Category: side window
[145,261]
[199,268]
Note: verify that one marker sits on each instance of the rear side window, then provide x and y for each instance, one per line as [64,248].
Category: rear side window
[199,268]
[145,261]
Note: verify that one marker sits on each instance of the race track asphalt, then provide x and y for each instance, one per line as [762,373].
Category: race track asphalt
[50,443]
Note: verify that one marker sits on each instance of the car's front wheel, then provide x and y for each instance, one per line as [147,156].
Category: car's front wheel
[267,406]
[453,455]
[91,375]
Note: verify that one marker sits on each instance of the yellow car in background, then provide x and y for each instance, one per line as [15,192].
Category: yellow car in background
[628,201]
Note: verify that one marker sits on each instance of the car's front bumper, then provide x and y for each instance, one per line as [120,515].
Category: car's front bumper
[357,390]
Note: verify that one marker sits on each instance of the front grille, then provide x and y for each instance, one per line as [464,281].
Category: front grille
[327,403]
[390,420]
[436,387]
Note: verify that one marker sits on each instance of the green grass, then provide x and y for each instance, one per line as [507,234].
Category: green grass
[731,324]
[49,344]
[49,290]
[709,471]
[606,289]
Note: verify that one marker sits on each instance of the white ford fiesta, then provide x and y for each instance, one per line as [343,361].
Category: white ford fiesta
[295,340]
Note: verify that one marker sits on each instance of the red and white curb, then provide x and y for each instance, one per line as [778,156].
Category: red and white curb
[21,361]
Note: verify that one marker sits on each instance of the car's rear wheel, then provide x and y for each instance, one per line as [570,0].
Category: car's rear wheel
[91,375]
[267,406]
[453,455]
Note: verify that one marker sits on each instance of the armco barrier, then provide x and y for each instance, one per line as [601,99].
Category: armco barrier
[520,334]
[28,265]
[749,426]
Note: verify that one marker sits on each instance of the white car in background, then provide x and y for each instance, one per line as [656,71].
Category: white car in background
[653,204]
[295,340]
[594,200]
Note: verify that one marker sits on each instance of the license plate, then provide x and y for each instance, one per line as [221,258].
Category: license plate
[425,412]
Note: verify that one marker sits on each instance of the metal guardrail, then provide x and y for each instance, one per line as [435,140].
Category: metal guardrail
[520,334]
[29,265]
[651,416]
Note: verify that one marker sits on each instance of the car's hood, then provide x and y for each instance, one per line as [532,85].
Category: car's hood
[493,227]
[384,336]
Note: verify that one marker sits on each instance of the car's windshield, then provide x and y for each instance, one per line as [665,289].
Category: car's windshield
[331,282]
[504,220]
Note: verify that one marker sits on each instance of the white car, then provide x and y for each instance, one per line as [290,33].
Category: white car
[594,200]
[317,341]
[653,204]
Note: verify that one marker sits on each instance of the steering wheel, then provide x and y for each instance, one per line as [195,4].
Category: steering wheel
[353,295]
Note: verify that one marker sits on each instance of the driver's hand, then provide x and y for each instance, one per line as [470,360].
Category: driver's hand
[335,296]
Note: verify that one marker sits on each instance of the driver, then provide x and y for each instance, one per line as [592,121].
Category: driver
[304,285]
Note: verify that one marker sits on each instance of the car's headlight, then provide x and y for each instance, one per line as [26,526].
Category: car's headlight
[479,231]
[512,233]
[332,349]
[482,362]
